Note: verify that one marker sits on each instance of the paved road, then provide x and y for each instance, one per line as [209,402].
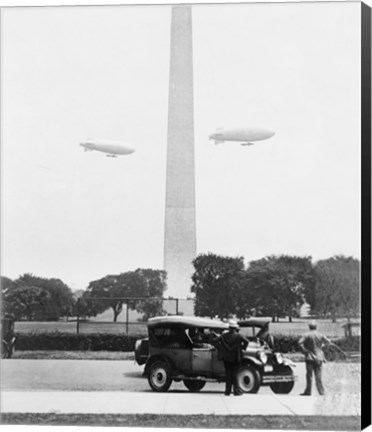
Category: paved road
[97,375]
[78,386]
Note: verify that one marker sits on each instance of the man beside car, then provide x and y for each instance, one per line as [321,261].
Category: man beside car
[312,346]
[230,345]
[7,337]
[265,337]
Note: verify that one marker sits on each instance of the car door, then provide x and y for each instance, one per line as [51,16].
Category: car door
[202,361]
[217,367]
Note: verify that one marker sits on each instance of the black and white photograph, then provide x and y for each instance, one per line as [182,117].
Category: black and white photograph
[184,196]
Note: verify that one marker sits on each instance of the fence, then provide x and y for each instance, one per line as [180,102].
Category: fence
[132,318]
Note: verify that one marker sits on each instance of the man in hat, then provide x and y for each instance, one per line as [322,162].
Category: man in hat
[311,344]
[230,345]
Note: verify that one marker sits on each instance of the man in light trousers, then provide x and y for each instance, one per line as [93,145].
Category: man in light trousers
[311,344]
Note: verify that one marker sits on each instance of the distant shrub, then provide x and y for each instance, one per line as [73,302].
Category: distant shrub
[286,343]
[289,344]
[57,341]
[351,343]
[73,342]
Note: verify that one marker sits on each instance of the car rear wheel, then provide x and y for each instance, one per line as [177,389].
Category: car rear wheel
[249,379]
[159,376]
[194,385]
[283,387]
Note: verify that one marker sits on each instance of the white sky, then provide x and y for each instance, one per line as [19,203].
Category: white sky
[102,72]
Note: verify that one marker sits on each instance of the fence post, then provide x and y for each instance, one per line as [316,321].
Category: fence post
[127,317]
[77,317]
[177,306]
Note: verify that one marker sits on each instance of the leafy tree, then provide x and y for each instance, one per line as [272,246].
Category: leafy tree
[337,287]
[133,284]
[217,285]
[108,292]
[61,297]
[86,307]
[6,284]
[153,285]
[27,303]
[54,296]
[276,285]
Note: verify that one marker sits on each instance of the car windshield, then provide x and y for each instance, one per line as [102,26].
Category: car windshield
[249,332]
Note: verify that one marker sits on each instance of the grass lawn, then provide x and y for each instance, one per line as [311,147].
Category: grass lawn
[73,355]
[84,327]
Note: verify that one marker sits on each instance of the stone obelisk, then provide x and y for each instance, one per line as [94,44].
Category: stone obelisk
[180,227]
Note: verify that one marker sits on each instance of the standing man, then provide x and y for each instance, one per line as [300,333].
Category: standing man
[311,344]
[264,336]
[7,337]
[230,346]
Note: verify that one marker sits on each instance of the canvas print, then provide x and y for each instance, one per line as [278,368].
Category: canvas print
[181,215]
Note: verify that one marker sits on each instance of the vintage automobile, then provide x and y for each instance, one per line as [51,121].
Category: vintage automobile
[179,348]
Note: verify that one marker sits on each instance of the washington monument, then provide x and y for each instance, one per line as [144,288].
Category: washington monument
[180,227]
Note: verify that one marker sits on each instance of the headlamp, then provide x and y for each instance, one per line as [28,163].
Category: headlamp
[279,358]
[263,357]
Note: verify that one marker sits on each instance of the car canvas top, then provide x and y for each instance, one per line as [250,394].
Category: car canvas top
[257,322]
[187,321]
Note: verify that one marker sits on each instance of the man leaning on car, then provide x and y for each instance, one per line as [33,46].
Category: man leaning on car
[230,346]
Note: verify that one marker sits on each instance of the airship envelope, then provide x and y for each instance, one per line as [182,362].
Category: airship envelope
[246,136]
[111,148]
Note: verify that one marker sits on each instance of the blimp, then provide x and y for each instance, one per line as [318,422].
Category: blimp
[111,148]
[246,136]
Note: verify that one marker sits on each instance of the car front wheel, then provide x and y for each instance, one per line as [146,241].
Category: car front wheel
[159,376]
[286,386]
[249,379]
[194,385]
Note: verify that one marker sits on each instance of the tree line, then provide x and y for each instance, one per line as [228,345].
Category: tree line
[275,286]
[33,298]
[145,287]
